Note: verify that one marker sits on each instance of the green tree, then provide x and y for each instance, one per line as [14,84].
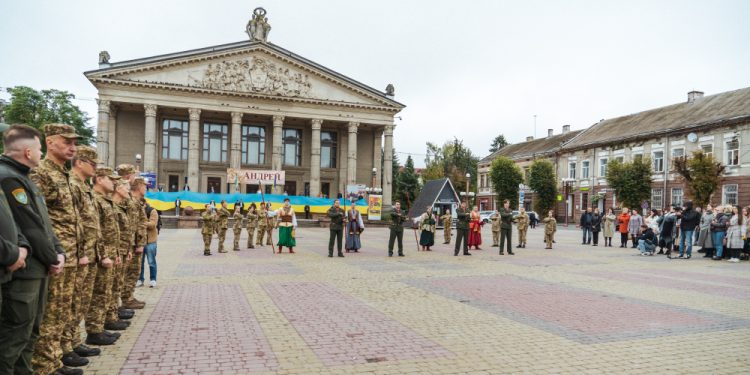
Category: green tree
[454,159]
[631,181]
[395,170]
[506,176]
[498,143]
[701,174]
[37,108]
[408,184]
[543,181]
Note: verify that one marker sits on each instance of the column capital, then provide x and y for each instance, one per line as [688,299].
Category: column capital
[195,114]
[353,127]
[113,108]
[237,117]
[389,130]
[316,123]
[278,120]
[150,109]
[104,105]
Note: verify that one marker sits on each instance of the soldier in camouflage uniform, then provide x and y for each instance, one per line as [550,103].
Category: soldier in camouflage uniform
[237,226]
[84,167]
[252,222]
[209,219]
[262,223]
[138,219]
[107,250]
[222,222]
[447,220]
[550,227]
[125,255]
[53,179]
[495,219]
[271,225]
[522,223]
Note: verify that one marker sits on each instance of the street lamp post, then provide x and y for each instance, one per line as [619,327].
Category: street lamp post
[374,173]
[468,181]
[138,159]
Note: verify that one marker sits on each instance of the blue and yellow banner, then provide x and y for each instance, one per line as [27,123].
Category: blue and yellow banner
[166,201]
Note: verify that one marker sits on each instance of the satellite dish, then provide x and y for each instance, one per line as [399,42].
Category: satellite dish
[692,137]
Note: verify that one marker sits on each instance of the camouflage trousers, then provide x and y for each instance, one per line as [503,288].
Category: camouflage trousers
[269,234]
[84,286]
[250,236]
[260,233]
[495,237]
[447,234]
[548,238]
[222,237]
[100,299]
[117,284]
[207,242]
[132,273]
[237,234]
[47,356]
[522,236]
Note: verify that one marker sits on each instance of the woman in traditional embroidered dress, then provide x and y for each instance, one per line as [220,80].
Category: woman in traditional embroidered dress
[475,229]
[287,222]
[427,223]
[354,226]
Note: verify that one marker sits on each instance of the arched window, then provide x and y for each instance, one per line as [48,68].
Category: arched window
[253,144]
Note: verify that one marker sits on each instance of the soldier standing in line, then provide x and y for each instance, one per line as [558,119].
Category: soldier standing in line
[462,229]
[262,223]
[336,228]
[550,227]
[495,219]
[125,251]
[271,226]
[222,217]
[397,230]
[53,179]
[522,223]
[506,227]
[107,250]
[25,295]
[447,220]
[237,226]
[137,219]
[252,222]
[84,167]
[207,230]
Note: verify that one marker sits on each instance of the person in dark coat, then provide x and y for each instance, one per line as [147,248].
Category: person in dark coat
[596,225]
[690,220]
[585,222]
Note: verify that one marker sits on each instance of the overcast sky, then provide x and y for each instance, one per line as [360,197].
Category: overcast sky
[465,69]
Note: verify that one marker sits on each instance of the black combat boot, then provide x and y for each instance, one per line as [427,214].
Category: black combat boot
[72,359]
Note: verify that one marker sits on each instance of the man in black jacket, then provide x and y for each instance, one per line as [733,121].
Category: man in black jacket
[690,220]
[586,221]
[25,295]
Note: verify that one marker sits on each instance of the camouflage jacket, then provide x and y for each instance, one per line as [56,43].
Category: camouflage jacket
[108,245]
[223,218]
[126,228]
[209,221]
[237,225]
[89,217]
[252,220]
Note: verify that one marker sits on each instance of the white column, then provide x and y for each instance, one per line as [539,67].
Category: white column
[102,131]
[377,155]
[193,149]
[235,151]
[343,164]
[149,150]
[388,165]
[278,126]
[315,158]
[351,174]
[112,137]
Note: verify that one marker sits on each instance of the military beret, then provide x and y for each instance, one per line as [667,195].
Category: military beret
[87,153]
[106,172]
[125,169]
[63,130]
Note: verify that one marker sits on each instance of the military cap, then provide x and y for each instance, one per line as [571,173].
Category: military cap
[119,182]
[125,169]
[106,172]
[138,181]
[63,130]
[87,153]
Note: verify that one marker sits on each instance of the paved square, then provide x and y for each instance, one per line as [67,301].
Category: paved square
[572,310]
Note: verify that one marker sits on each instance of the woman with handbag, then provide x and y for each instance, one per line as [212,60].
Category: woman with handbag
[609,226]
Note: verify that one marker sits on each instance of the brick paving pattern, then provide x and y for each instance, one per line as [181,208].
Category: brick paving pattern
[658,281]
[188,270]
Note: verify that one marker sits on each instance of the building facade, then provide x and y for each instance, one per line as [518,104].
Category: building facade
[188,116]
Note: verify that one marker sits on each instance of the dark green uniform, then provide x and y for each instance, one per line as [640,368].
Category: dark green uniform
[462,230]
[336,214]
[506,227]
[397,232]
[25,295]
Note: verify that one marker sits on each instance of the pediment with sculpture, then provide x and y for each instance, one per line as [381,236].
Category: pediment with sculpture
[257,75]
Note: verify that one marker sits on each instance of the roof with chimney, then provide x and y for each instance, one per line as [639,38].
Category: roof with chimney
[698,113]
[533,148]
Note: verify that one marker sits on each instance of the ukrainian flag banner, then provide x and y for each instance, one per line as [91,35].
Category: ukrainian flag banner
[163,201]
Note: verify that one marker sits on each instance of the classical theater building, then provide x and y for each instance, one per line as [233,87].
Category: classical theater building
[252,105]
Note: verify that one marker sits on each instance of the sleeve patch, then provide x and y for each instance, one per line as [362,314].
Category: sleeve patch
[20,196]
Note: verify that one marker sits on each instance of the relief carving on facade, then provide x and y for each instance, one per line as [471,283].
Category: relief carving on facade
[256,75]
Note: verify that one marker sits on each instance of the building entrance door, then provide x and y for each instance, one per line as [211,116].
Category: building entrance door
[290,187]
[213,185]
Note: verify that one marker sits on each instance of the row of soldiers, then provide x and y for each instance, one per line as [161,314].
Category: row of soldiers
[73,235]
[257,223]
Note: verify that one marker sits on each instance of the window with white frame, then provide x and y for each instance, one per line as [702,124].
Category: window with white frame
[620,158]
[732,148]
[328,146]
[657,160]
[585,169]
[638,156]
[603,167]
[678,152]
[572,170]
[657,198]
[708,149]
[677,196]
[729,194]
